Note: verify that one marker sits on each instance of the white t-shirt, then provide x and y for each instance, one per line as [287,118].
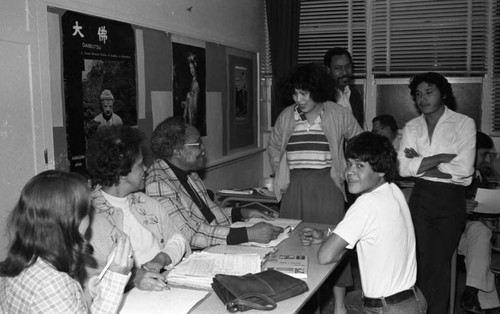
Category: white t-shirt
[144,244]
[379,224]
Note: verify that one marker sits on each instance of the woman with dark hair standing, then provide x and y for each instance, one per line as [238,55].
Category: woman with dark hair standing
[306,150]
[44,268]
[438,148]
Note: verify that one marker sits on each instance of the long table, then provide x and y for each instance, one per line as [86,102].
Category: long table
[316,275]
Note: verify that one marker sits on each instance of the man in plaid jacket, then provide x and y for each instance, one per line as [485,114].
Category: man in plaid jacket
[179,152]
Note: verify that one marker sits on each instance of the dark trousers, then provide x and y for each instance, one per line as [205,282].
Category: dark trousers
[438,213]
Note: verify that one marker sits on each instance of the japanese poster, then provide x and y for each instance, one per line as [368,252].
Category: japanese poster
[189,85]
[99,79]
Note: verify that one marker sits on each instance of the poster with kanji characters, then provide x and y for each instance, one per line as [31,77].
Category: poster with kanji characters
[99,79]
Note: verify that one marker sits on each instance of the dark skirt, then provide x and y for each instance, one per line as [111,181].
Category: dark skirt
[312,196]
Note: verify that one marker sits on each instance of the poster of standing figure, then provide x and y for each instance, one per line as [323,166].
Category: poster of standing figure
[240,83]
[99,79]
[189,85]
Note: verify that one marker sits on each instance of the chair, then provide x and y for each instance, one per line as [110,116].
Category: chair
[453,282]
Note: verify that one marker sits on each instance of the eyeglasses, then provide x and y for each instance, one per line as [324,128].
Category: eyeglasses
[199,143]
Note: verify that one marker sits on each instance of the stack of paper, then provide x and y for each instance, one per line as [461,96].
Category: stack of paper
[488,201]
[176,300]
[198,269]
[263,252]
[287,224]
[237,191]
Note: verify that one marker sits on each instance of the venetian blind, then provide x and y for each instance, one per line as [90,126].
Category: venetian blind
[266,65]
[325,24]
[411,36]
[495,123]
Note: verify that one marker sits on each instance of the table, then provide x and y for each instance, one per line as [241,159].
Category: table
[250,199]
[316,275]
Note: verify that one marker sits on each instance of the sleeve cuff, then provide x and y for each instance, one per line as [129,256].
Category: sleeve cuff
[236,214]
[237,236]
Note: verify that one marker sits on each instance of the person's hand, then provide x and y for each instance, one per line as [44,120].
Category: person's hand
[123,258]
[255,213]
[310,236]
[263,232]
[411,153]
[470,205]
[158,262]
[148,280]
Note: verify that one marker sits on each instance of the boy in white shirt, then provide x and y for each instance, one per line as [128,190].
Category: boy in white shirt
[379,224]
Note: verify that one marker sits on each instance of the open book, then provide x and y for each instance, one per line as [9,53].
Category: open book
[198,269]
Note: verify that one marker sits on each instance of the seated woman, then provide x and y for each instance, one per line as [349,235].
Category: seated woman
[114,161]
[43,270]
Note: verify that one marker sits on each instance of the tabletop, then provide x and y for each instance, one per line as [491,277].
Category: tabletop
[316,275]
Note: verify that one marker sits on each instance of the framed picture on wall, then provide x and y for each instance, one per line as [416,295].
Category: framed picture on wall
[241,116]
[99,80]
[189,85]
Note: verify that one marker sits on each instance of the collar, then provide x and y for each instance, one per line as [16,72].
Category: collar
[182,175]
[300,113]
[346,91]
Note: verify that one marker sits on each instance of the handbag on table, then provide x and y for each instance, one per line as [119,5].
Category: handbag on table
[258,291]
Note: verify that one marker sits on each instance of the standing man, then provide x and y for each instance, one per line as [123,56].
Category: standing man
[107,117]
[338,61]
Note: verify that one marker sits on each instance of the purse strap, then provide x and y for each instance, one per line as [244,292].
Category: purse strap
[242,301]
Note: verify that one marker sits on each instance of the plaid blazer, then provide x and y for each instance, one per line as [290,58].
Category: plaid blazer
[41,288]
[162,184]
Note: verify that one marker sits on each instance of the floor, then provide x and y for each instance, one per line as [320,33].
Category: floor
[326,299]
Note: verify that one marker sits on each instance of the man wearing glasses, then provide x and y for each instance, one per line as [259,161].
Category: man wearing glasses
[172,179]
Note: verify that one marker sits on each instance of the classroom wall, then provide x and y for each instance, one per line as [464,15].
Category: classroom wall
[30,91]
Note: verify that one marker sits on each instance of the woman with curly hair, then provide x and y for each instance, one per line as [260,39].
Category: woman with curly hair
[306,150]
[115,163]
[44,268]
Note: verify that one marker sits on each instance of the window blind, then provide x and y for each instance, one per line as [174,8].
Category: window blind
[266,65]
[411,36]
[325,24]
[495,84]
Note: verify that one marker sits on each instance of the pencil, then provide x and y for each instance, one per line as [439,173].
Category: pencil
[107,265]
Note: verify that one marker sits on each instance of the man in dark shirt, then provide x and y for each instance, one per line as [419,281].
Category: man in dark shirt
[338,61]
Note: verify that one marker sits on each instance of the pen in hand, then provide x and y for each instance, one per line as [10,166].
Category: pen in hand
[110,260]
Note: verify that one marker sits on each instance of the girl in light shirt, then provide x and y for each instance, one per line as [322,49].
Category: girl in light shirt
[43,269]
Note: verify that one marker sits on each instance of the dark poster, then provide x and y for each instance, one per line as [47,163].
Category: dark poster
[99,79]
[189,85]
[242,113]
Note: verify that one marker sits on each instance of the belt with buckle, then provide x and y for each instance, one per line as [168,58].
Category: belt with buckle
[393,299]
